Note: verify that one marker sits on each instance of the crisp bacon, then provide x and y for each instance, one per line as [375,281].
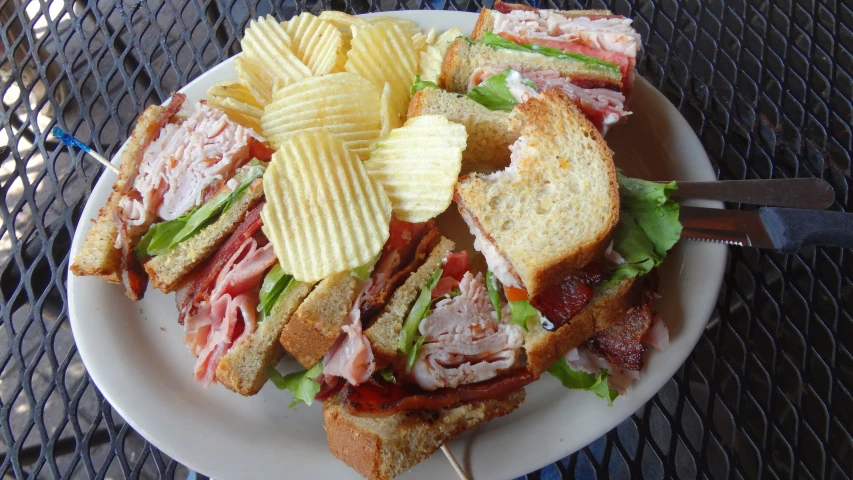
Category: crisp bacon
[622,344]
[560,303]
[411,251]
[205,278]
[379,398]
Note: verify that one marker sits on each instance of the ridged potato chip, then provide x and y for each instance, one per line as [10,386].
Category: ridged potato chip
[382,53]
[418,165]
[445,39]
[267,57]
[323,212]
[408,27]
[430,63]
[419,41]
[316,42]
[343,104]
[389,119]
[341,20]
[237,102]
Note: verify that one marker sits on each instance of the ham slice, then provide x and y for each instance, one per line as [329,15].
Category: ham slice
[185,161]
[351,356]
[228,314]
[463,340]
[602,106]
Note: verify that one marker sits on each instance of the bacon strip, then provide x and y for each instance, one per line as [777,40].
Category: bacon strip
[412,254]
[205,277]
[378,398]
[560,303]
[622,344]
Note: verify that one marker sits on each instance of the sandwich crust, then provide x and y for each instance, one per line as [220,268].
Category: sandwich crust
[244,368]
[383,448]
[554,209]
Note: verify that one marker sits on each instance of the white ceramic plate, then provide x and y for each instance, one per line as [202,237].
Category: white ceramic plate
[135,355]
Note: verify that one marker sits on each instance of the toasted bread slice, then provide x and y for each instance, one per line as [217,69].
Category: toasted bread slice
[316,324]
[385,331]
[166,271]
[383,448]
[98,256]
[554,209]
[486,21]
[463,57]
[489,132]
[244,368]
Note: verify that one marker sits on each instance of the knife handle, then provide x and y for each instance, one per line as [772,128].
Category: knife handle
[792,229]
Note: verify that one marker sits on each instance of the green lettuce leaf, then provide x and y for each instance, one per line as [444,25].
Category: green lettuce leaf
[418,85]
[498,42]
[522,311]
[494,288]
[276,282]
[576,380]
[493,93]
[163,237]
[302,384]
[387,374]
[648,226]
[363,272]
[408,342]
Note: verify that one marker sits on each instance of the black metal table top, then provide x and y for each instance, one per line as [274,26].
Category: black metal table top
[767,86]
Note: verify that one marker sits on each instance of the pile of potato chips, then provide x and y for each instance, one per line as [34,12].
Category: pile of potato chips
[330,93]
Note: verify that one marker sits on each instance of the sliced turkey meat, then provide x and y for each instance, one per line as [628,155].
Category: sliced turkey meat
[463,340]
[184,162]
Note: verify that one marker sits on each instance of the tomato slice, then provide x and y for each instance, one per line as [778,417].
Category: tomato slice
[515,294]
[456,264]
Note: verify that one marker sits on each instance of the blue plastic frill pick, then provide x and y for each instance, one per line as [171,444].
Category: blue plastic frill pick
[70,141]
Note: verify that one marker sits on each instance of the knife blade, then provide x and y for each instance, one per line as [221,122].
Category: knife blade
[785,229]
[812,193]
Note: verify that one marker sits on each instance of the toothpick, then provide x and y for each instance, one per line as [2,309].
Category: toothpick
[70,141]
[456,466]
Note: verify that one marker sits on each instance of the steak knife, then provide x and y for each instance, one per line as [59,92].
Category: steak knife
[787,230]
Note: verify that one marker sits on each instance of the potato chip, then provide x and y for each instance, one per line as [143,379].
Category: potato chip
[431,36]
[267,57]
[389,119]
[323,212]
[418,165]
[315,42]
[341,20]
[343,104]
[382,53]
[430,63]
[237,102]
[408,27]
[445,39]
[419,41]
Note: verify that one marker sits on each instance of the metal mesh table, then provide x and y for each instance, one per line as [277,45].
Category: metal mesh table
[767,86]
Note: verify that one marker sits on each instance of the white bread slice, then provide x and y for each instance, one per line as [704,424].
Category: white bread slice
[244,368]
[489,132]
[98,255]
[463,57]
[553,210]
[385,330]
[166,271]
[383,448]
[486,21]
[316,324]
